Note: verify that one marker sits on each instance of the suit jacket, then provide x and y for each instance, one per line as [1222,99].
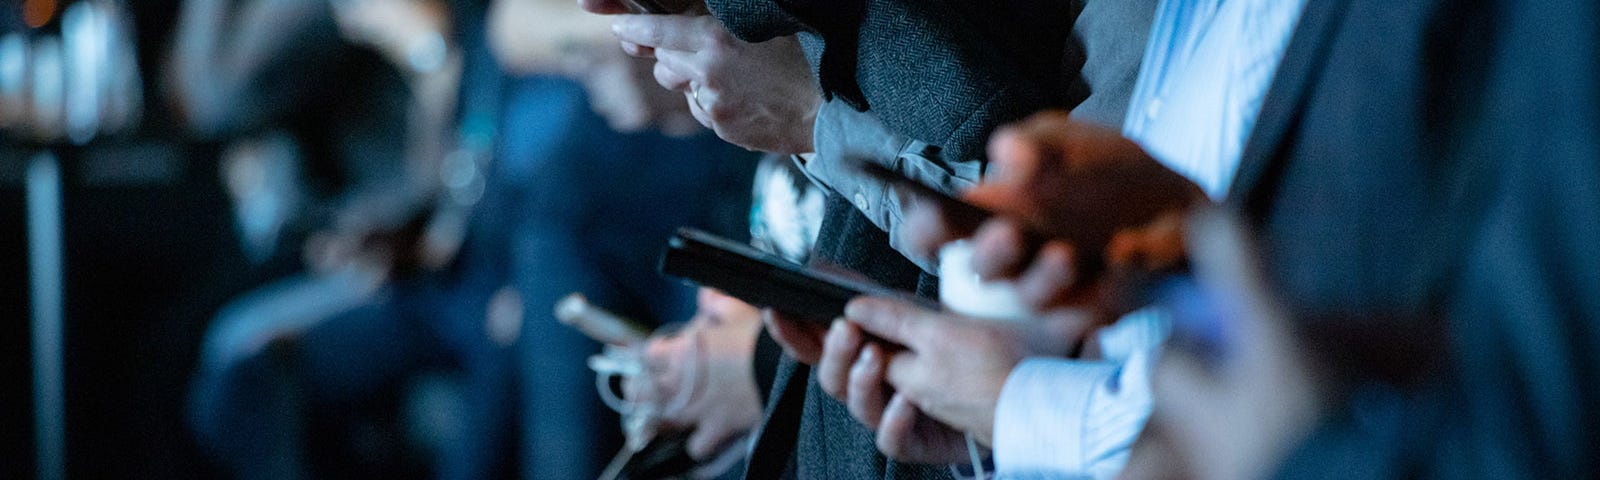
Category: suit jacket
[1425,176]
[944,72]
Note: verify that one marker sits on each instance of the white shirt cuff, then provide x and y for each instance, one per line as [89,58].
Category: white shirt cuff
[1040,420]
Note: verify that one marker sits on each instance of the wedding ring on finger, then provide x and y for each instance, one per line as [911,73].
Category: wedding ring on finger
[694,94]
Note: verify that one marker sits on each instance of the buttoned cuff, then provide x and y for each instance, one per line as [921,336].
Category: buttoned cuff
[843,136]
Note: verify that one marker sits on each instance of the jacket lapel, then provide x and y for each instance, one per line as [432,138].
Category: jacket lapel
[1301,67]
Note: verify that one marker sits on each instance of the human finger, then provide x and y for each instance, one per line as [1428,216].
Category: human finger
[637,50]
[907,434]
[1014,154]
[1047,282]
[669,78]
[840,350]
[891,320]
[706,440]
[670,32]
[869,394]
[799,339]
[1001,249]
[926,230]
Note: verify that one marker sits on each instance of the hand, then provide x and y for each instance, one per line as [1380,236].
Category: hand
[855,372]
[717,344]
[1070,196]
[759,96]
[1233,389]
[800,339]
[579,45]
[404,31]
[951,367]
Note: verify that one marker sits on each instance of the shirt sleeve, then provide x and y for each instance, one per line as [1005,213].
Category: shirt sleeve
[1063,418]
[844,135]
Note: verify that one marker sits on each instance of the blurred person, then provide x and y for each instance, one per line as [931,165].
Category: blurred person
[624,204]
[537,178]
[363,179]
[1293,399]
[1239,385]
[580,46]
[344,104]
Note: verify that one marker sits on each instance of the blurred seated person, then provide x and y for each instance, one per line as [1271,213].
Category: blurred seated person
[335,129]
[551,200]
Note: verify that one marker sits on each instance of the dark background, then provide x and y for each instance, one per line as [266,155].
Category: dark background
[149,256]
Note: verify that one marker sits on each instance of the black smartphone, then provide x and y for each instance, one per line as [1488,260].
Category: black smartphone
[763,279]
[653,7]
[958,212]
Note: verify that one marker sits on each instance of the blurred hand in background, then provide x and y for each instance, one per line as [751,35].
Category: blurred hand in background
[573,43]
[712,358]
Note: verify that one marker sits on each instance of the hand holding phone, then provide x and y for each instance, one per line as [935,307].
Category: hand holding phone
[763,279]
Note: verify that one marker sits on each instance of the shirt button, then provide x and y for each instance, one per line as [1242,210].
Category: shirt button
[861,202]
[1153,110]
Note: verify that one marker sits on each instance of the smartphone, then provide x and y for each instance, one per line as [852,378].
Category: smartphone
[654,7]
[958,212]
[763,279]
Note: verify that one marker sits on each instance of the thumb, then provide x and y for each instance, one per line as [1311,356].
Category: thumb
[707,440]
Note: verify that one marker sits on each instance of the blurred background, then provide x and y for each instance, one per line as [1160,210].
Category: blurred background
[322,238]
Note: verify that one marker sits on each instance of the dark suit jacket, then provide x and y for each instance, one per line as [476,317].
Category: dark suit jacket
[945,72]
[1425,175]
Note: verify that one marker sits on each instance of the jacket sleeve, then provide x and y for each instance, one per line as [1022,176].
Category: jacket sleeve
[754,21]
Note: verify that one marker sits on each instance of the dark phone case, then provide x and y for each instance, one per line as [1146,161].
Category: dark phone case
[653,7]
[762,279]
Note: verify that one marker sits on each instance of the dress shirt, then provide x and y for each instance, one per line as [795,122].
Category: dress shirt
[843,135]
[1205,72]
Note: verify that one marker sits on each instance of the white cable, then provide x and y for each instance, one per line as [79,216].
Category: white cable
[977,460]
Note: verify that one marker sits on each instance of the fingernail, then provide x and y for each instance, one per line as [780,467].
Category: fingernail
[853,309]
